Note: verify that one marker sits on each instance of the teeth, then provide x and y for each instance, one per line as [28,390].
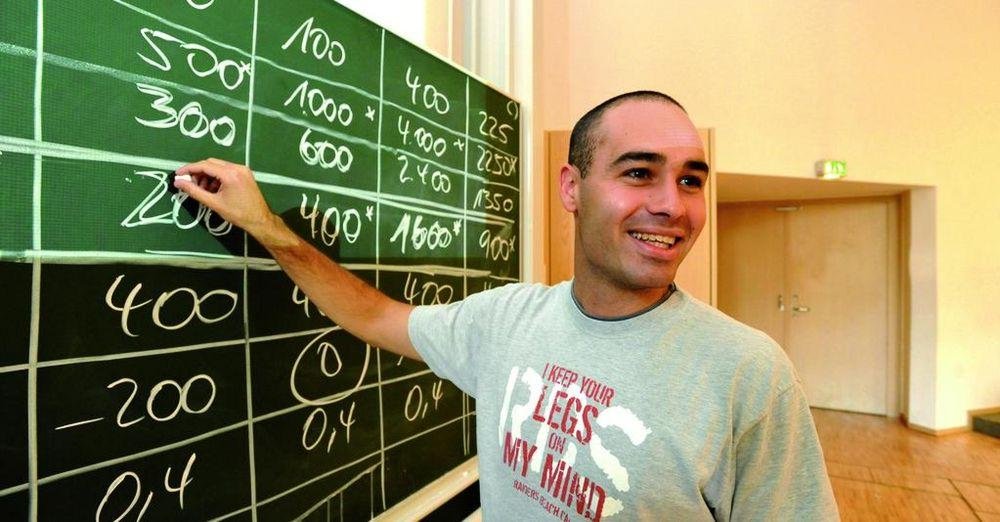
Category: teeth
[653,238]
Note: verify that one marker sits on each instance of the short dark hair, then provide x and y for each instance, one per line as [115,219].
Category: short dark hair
[583,140]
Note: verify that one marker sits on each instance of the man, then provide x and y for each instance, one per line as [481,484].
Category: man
[616,395]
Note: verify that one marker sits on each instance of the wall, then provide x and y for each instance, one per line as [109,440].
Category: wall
[906,92]
[406,19]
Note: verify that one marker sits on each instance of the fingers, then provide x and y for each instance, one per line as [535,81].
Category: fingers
[198,187]
[211,167]
[208,174]
[202,179]
[227,188]
[209,184]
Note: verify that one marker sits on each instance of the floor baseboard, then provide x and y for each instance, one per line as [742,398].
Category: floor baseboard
[949,431]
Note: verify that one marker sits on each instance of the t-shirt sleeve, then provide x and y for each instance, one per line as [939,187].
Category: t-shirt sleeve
[449,339]
[780,473]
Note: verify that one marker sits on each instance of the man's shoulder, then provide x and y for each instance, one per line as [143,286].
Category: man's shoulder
[755,367]
[519,293]
[752,355]
[718,325]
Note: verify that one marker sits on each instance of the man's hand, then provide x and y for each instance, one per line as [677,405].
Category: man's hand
[230,191]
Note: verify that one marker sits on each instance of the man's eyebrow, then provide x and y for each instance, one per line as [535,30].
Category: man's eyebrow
[696,165]
[639,156]
[655,157]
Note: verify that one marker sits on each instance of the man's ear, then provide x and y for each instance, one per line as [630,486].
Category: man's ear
[569,186]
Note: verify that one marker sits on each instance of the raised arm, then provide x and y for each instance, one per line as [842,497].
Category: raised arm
[231,192]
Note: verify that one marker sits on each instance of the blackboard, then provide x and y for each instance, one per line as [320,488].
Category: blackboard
[154,361]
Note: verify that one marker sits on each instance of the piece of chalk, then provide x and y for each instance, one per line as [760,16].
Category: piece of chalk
[185,177]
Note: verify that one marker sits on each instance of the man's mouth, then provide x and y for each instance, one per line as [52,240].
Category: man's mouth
[658,241]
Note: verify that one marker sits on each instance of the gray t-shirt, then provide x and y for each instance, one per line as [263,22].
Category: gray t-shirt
[678,413]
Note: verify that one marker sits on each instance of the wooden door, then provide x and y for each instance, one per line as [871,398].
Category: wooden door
[834,266]
[560,223]
[752,267]
[696,274]
[837,322]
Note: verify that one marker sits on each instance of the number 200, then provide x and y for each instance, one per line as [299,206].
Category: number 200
[182,398]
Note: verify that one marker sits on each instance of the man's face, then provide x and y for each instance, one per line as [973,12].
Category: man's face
[641,205]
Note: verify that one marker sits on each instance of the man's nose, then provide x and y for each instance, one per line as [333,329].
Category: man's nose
[665,199]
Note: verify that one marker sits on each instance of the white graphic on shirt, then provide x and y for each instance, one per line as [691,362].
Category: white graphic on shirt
[632,427]
[568,416]
[508,391]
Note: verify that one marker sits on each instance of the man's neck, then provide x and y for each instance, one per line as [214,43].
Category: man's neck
[614,303]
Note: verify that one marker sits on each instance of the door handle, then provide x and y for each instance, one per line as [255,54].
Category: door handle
[781,303]
[796,307]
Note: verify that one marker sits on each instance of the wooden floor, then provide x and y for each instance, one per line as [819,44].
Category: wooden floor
[881,470]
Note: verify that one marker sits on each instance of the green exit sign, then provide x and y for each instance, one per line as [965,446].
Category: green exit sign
[831,169]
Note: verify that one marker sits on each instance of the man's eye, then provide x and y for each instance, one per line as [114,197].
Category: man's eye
[691,181]
[637,173]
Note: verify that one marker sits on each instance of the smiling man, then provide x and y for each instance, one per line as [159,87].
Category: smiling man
[616,395]
[635,182]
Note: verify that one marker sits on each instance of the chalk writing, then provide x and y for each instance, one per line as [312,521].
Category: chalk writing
[429,97]
[181,401]
[319,104]
[317,42]
[190,120]
[130,304]
[136,483]
[172,216]
[231,73]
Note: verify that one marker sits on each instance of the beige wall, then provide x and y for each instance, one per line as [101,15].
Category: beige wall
[906,92]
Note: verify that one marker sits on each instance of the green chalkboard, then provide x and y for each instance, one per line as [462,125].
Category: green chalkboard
[154,361]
